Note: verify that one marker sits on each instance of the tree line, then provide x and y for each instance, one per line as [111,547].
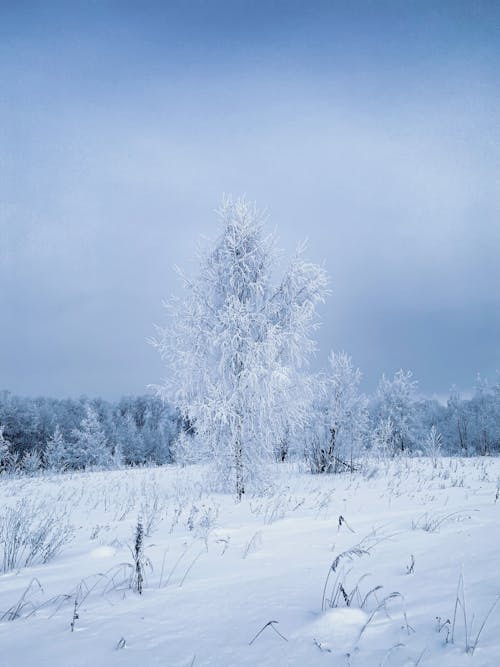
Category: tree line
[342,425]
[75,434]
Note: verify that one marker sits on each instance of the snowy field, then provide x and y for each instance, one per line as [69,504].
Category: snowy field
[422,574]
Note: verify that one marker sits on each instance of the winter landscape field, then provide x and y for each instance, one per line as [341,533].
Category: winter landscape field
[249,333]
[395,564]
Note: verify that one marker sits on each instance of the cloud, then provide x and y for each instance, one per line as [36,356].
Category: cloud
[375,140]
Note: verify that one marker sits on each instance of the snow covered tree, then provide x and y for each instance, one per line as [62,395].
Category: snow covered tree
[117,457]
[316,432]
[31,463]
[428,412]
[131,440]
[395,400]
[458,422]
[186,448]
[484,410]
[342,417]
[346,409]
[89,447]
[4,450]
[235,341]
[433,444]
[56,453]
[8,459]
[383,439]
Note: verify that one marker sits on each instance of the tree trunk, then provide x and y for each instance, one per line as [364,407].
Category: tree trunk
[238,463]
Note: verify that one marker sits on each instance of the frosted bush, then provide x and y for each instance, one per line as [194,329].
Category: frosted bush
[31,463]
[31,534]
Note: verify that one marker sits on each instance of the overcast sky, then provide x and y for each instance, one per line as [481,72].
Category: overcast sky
[370,128]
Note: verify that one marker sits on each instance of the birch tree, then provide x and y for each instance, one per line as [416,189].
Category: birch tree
[340,414]
[235,342]
[395,400]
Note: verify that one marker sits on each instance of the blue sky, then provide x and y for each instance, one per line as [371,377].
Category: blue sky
[370,128]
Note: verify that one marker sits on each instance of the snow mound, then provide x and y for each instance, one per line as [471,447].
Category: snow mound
[102,552]
[337,629]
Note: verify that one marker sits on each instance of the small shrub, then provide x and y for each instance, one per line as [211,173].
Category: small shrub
[141,562]
[433,444]
[30,534]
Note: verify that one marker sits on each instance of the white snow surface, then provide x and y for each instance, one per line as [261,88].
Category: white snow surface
[221,570]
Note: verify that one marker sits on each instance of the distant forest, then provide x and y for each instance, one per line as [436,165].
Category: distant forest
[136,430]
[86,432]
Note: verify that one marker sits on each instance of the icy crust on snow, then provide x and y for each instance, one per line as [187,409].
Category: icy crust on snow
[361,569]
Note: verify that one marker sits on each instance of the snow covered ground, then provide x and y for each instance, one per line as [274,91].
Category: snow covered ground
[220,571]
